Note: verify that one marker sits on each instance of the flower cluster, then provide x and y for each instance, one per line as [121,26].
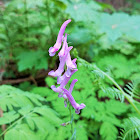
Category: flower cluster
[65,59]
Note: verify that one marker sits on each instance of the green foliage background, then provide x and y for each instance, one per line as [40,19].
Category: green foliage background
[101,35]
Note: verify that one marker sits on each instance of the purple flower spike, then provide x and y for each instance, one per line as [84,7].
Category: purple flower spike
[57,45]
[75,105]
[65,59]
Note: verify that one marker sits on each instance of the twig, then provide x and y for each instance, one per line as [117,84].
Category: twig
[16,81]
[30,78]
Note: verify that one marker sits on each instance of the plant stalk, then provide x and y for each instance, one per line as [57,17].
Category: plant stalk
[71,119]
[121,90]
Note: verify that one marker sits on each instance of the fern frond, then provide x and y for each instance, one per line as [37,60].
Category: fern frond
[11,98]
[98,74]
[114,92]
[26,111]
[131,88]
[131,129]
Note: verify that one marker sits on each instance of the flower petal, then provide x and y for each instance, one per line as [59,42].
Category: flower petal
[71,64]
[72,85]
[58,89]
[57,45]
[63,50]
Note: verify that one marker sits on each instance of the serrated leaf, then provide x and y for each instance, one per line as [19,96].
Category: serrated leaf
[81,131]
[108,131]
[21,132]
[32,59]
[49,114]
[9,117]
[120,70]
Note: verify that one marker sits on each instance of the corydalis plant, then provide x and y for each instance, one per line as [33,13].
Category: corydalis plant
[65,59]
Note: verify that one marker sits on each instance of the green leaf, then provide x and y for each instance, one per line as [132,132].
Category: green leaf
[120,70]
[81,131]
[11,97]
[119,24]
[48,113]
[50,81]
[108,131]
[131,127]
[79,36]
[21,132]
[9,117]
[32,59]
[78,11]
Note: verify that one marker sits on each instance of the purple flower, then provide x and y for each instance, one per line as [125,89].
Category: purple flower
[70,66]
[57,45]
[64,80]
[64,47]
[60,69]
[72,85]
[75,105]
[70,91]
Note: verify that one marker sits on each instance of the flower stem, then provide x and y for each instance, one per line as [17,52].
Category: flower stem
[71,119]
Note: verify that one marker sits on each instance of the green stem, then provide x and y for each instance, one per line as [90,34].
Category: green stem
[121,90]
[15,123]
[71,119]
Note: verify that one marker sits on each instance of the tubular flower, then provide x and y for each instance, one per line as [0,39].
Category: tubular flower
[60,69]
[70,91]
[57,45]
[64,80]
[64,47]
[65,59]
[75,105]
